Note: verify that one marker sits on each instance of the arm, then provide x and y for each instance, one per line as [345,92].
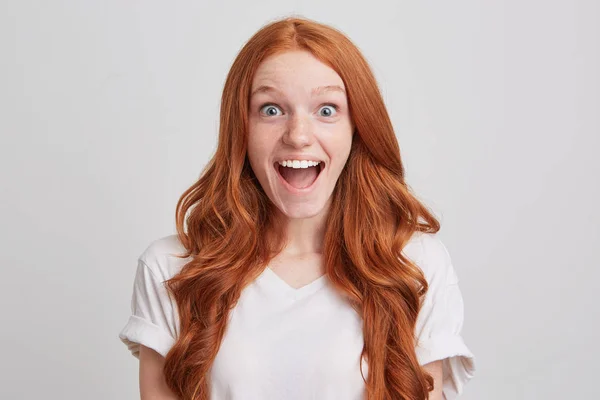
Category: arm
[152,380]
[435,369]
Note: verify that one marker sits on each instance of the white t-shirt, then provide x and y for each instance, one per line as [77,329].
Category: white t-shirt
[299,344]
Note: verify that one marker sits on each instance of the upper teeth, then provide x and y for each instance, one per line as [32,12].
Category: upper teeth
[299,163]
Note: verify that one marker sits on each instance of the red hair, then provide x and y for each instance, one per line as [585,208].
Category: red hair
[232,234]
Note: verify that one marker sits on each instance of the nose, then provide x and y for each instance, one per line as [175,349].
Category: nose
[299,131]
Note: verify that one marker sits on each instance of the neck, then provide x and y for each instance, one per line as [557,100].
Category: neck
[305,235]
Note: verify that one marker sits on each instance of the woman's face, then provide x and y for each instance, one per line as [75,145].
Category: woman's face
[298,112]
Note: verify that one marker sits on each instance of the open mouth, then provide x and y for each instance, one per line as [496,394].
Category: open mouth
[299,179]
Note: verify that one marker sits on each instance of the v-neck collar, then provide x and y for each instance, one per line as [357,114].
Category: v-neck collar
[269,278]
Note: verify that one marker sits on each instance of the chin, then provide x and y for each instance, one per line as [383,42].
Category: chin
[301,211]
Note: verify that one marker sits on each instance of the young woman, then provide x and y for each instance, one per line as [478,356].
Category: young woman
[303,267]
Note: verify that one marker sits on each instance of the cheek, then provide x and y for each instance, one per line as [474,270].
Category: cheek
[339,145]
[260,145]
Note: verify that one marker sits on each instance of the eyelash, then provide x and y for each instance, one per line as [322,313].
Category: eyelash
[335,107]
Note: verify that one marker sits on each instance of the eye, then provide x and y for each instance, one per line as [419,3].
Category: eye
[328,108]
[271,109]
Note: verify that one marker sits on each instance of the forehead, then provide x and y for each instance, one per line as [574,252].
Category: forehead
[295,69]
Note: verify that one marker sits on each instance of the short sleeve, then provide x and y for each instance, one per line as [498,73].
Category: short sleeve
[151,322]
[440,320]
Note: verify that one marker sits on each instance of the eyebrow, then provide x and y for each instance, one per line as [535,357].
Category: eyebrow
[315,91]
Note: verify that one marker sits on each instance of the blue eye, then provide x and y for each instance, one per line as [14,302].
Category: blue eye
[269,108]
[329,113]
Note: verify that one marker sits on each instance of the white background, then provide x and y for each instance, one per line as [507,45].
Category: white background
[109,110]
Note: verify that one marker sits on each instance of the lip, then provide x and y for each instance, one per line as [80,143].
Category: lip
[298,157]
[294,190]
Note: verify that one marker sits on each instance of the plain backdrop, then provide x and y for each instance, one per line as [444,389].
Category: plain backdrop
[109,111]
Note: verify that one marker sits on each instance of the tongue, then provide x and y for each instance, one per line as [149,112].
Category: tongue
[299,177]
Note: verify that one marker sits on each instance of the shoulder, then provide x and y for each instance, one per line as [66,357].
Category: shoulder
[161,257]
[430,254]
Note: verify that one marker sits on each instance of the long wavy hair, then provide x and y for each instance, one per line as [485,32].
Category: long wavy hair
[228,226]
